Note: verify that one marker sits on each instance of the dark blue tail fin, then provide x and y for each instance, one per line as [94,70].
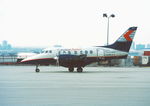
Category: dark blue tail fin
[123,43]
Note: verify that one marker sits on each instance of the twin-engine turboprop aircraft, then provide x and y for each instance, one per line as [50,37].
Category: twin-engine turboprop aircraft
[80,57]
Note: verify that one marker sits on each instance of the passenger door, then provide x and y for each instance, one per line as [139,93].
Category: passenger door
[100,52]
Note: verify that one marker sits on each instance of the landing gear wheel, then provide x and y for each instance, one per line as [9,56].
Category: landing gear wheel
[37,70]
[71,69]
[79,69]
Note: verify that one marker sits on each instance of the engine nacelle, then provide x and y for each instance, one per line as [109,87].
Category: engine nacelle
[71,60]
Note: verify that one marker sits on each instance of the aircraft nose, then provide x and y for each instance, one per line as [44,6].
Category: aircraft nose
[30,60]
[38,59]
[27,61]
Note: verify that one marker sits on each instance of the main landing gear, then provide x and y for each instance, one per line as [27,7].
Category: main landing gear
[79,69]
[71,69]
[37,69]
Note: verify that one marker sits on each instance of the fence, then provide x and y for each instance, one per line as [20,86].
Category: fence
[8,59]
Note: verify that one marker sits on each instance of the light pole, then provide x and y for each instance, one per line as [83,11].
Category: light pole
[105,15]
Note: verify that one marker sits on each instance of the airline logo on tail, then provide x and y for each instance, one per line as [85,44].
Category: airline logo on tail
[128,35]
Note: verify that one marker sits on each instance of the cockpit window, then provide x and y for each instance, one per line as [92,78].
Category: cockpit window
[42,51]
[50,51]
[46,51]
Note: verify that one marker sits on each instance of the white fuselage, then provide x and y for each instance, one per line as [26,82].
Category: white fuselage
[99,52]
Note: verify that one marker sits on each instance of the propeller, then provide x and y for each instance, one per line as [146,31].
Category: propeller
[57,60]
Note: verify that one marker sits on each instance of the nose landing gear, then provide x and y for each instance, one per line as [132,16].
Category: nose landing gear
[37,69]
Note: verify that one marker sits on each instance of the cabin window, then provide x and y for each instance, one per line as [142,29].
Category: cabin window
[69,52]
[91,52]
[75,52]
[81,52]
[86,52]
[64,52]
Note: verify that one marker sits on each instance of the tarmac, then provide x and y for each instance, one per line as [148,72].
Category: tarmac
[55,86]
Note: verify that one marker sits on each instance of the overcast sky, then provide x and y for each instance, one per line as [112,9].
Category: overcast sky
[71,23]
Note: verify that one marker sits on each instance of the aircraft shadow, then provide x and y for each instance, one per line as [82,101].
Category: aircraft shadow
[84,72]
